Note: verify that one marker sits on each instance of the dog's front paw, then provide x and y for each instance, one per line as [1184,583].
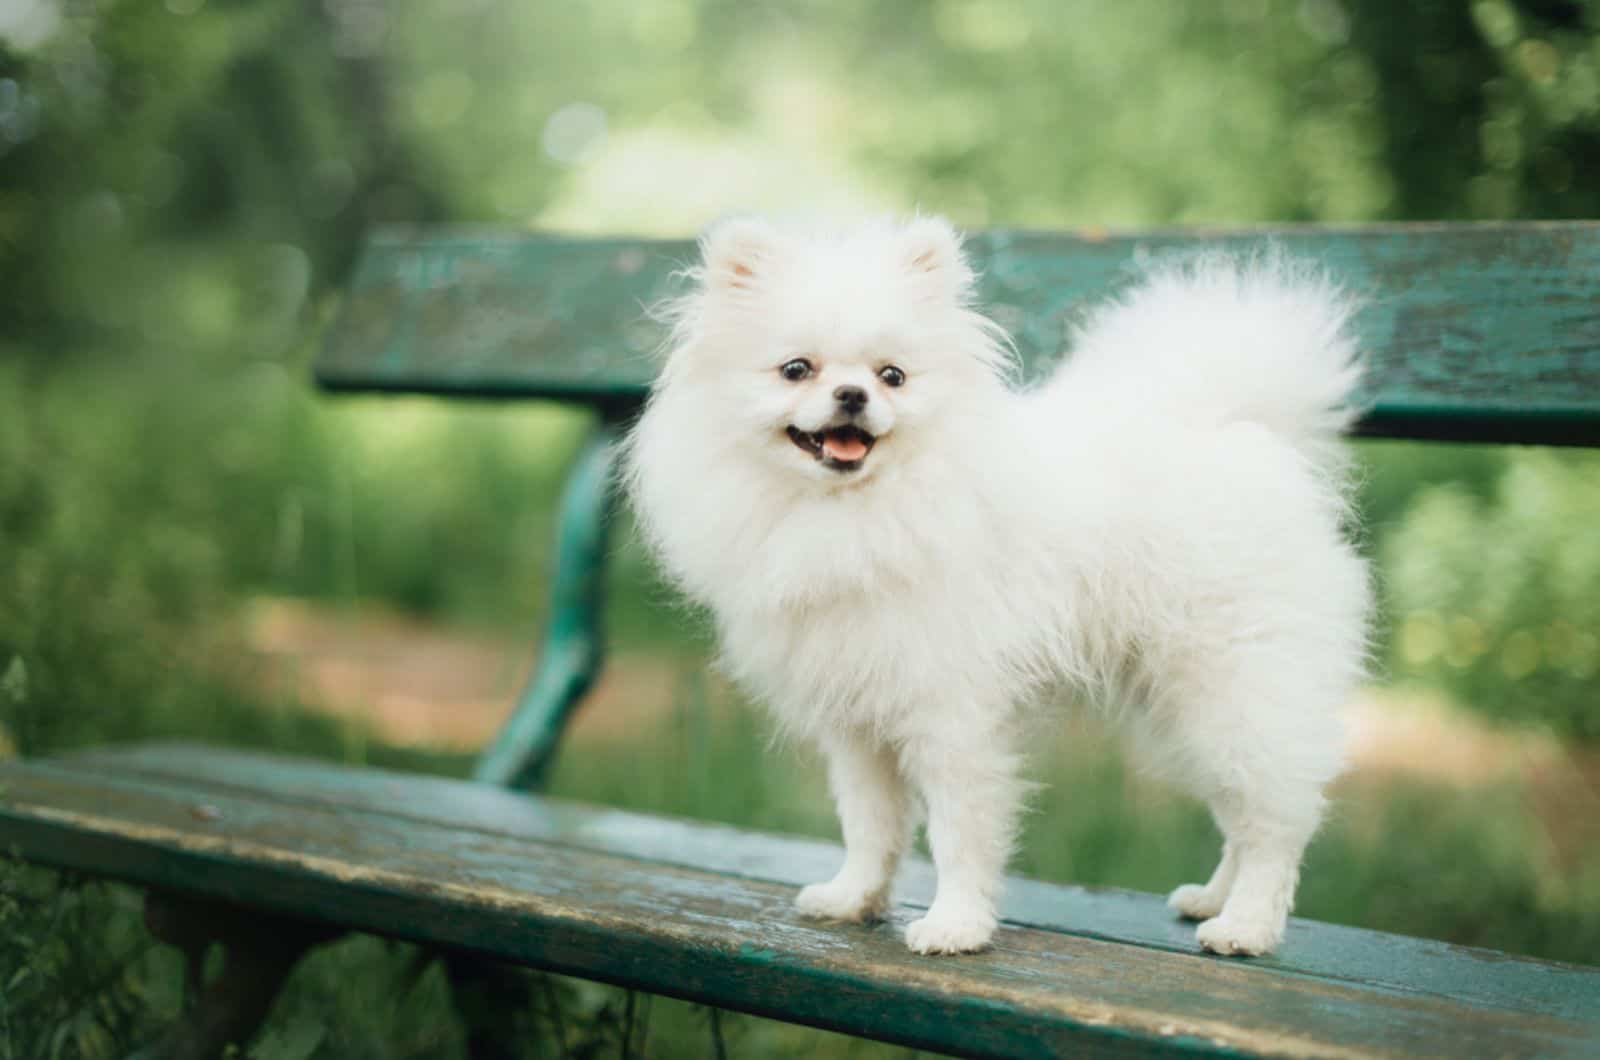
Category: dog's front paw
[951,929]
[841,901]
[1239,936]
[1196,901]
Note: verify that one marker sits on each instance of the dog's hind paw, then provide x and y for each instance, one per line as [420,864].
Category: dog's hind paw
[840,901]
[1196,901]
[1236,936]
[951,929]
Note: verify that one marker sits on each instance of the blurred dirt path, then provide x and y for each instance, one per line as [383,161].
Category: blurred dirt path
[419,684]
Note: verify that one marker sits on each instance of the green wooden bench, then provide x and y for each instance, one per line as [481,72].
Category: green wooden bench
[1480,332]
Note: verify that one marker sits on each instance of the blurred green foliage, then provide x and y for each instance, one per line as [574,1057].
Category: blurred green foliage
[62,998]
[175,176]
[1487,109]
[183,184]
[1499,596]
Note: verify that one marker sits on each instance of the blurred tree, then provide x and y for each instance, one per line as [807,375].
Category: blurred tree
[168,169]
[1489,109]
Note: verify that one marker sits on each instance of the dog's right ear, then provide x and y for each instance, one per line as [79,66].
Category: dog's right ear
[932,251]
[736,253]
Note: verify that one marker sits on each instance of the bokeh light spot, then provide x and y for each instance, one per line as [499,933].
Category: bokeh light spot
[1539,59]
[574,133]
[1422,638]
[982,25]
[26,24]
[1466,641]
[1519,655]
[668,26]
[441,99]
[1325,20]
[1497,21]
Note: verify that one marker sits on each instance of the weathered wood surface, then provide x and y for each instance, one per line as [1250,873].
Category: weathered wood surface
[703,912]
[1476,331]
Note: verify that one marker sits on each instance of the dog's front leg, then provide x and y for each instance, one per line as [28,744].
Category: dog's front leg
[970,786]
[875,812]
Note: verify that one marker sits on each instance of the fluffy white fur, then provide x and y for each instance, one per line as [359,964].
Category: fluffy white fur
[1158,526]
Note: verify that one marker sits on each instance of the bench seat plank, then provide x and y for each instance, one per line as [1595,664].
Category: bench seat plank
[1486,332]
[1421,966]
[703,912]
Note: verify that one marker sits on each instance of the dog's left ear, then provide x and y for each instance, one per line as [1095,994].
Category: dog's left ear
[932,249]
[736,252]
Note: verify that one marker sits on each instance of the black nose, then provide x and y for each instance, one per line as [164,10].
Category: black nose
[853,398]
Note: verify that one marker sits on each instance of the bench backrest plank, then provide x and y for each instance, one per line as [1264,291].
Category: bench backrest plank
[1476,332]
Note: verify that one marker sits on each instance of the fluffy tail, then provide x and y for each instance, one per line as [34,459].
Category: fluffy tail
[1217,340]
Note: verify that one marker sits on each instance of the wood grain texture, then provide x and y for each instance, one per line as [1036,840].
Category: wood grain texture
[1485,332]
[704,912]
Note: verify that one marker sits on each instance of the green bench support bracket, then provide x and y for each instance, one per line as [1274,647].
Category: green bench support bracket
[259,951]
[574,640]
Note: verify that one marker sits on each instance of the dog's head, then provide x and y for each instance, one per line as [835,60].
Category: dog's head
[827,354]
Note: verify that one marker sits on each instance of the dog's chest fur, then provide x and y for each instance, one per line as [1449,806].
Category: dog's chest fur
[864,628]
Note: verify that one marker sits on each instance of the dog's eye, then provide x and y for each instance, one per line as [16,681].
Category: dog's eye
[795,370]
[891,375]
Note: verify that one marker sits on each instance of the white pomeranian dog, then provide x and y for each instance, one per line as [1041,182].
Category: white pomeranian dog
[902,549]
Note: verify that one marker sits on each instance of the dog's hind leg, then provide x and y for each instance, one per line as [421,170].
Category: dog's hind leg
[1267,801]
[877,817]
[1266,852]
[1202,901]
[1259,747]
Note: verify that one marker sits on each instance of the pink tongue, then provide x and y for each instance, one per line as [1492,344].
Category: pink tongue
[846,448]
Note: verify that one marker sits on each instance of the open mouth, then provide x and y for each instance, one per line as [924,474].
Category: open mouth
[839,448]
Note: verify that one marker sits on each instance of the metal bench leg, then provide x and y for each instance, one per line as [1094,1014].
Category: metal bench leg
[574,640]
[259,951]
[522,753]
[487,994]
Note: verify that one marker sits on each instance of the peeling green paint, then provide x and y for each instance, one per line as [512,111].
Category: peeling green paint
[1485,332]
[573,647]
[582,891]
